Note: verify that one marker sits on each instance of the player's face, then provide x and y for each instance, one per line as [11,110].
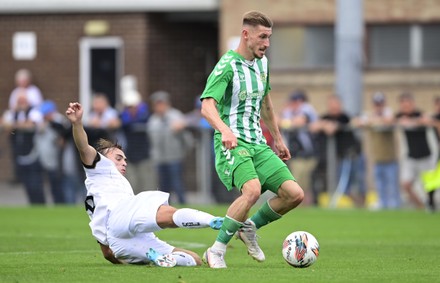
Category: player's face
[258,40]
[118,157]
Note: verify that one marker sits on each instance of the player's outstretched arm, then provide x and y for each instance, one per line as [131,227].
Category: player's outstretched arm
[108,254]
[87,153]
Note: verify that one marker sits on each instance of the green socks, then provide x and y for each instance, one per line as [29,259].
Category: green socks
[264,215]
[229,227]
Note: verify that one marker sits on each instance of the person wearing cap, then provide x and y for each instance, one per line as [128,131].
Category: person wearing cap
[379,123]
[48,143]
[169,142]
[295,120]
[134,118]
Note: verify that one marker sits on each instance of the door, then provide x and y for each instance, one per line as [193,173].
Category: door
[101,68]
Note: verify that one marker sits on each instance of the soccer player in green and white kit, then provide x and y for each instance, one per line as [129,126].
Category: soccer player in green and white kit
[235,97]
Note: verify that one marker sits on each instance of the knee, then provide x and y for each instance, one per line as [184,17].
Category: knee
[291,193]
[251,191]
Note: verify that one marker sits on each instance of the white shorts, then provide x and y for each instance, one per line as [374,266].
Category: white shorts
[411,169]
[131,224]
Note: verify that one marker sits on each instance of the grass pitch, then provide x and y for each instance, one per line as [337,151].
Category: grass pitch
[40,244]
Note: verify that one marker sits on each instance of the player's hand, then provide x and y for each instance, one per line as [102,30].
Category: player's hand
[283,151]
[74,112]
[229,140]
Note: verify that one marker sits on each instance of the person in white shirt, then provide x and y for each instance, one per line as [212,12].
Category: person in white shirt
[124,223]
[23,81]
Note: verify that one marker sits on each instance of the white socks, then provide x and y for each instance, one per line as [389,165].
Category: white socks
[183,259]
[191,218]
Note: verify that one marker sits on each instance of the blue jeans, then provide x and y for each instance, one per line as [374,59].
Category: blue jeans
[354,167]
[387,184]
[73,189]
[171,179]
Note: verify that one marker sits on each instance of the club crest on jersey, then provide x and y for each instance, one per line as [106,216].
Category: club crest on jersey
[242,95]
[263,77]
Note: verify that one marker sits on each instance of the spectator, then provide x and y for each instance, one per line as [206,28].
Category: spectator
[48,142]
[103,120]
[134,119]
[166,129]
[295,120]
[74,189]
[23,82]
[351,165]
[436,123]
[379,124]
[22,122]
[417,154]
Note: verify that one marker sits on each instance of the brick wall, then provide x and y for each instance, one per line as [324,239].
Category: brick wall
[56,66]
[180,57]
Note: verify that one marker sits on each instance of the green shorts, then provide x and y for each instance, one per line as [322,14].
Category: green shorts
[250,161]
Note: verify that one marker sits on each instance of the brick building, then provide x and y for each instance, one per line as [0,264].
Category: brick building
[80,49]
[173,45]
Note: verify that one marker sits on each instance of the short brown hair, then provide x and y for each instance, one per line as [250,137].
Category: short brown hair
[255,18]
[103,146]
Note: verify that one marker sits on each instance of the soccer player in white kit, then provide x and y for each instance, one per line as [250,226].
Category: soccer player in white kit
[124,223]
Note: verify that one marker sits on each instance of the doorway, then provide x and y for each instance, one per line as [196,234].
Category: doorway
[101,68]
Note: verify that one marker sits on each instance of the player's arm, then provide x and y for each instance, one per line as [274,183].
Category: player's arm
[87,153]
[108,254]
[269,118]
[210,113]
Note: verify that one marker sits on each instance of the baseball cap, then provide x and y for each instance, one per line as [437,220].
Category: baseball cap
[298,95]
[378,98]
[47,107]
[131,98]
[160,96]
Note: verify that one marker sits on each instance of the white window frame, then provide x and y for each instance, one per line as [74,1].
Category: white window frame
[86,44]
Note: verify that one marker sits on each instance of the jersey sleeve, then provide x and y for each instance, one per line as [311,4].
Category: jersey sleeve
[218,80]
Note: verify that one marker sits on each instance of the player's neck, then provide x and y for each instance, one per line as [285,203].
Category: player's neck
[244,52]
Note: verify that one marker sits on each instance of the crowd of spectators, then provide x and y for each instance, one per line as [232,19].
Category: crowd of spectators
[402,145]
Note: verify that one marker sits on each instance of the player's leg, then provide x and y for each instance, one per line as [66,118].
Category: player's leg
[164,255]
[186,257]
[278,179]
[245,178]
[171,217]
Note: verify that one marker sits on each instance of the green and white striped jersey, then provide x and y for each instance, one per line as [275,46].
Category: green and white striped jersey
[239,87]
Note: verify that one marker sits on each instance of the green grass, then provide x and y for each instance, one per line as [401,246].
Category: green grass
[41,244]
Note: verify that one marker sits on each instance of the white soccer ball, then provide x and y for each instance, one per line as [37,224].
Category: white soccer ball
[300,249]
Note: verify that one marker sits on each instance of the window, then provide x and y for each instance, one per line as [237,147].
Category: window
[389,46]
[302,47]
[404,45]
[431,45]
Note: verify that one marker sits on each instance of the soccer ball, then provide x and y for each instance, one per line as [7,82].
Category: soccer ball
[300,249]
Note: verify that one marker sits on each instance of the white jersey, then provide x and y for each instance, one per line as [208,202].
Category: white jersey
[106,186]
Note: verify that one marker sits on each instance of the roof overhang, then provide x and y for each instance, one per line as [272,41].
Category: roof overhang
[95,6]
